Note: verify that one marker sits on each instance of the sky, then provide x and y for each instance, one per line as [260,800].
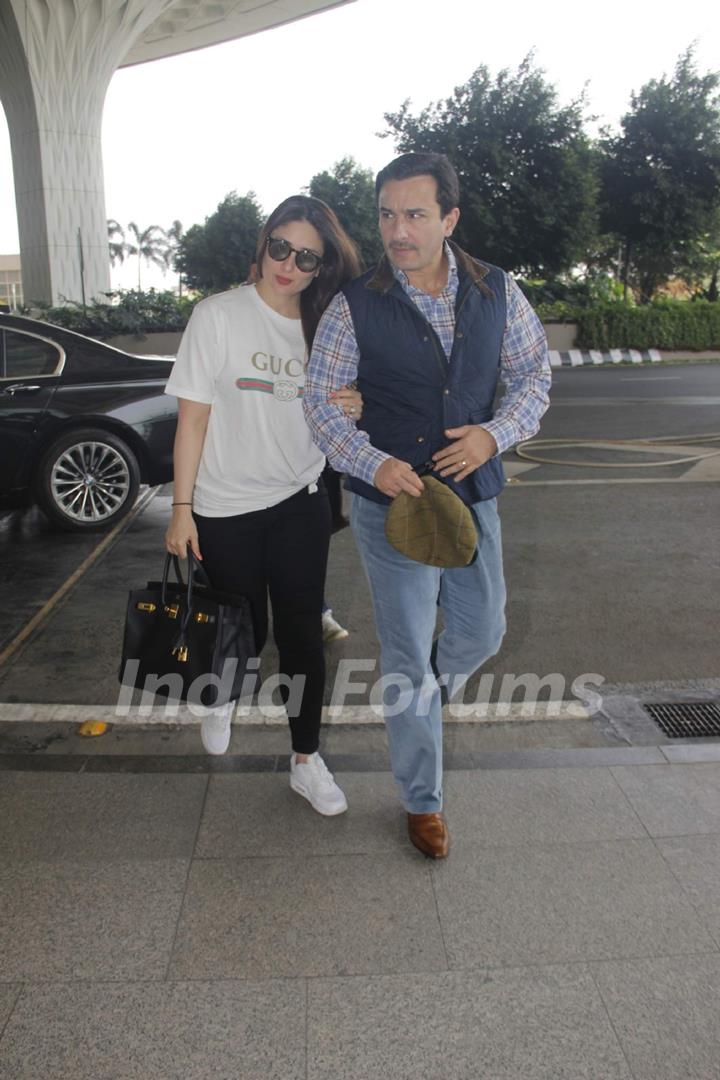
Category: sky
[266,112]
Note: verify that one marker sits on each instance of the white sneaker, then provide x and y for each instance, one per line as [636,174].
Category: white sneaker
[331,628]
[215,729]
[315,782]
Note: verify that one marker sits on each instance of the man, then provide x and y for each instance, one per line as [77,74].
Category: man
[427,334]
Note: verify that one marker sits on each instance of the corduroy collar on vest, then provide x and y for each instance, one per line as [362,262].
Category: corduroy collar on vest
[383,279]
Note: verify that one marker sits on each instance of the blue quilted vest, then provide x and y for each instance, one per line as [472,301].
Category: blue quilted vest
[411,392]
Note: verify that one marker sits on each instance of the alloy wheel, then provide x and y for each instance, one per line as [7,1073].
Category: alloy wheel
[90,481]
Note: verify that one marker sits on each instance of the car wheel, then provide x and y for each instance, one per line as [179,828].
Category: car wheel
[88,479]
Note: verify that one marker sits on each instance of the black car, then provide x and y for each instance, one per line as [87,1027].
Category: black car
[82,424]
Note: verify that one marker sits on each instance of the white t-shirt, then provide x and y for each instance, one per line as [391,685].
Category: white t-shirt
[247,362]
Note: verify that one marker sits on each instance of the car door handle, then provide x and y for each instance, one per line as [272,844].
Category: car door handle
[21,388]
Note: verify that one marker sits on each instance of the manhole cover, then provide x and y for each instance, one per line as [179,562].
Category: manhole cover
[687,720]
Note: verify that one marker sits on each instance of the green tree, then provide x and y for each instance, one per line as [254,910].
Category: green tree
[700,266]
[148,245]
[350,191]
[527,170]
[710,255]
[660,177]
[218,254]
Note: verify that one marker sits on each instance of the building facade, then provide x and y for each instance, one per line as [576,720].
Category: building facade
[11,290]
[56,61]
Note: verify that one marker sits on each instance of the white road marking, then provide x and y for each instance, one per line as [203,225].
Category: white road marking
[514,468]
[43,614]
[24,713]
[686,479]
[616,402]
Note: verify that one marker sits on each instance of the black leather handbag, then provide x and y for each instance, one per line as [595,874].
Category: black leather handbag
[185,640]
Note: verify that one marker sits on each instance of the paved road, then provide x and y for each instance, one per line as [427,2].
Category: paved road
[630,402]
[616,578]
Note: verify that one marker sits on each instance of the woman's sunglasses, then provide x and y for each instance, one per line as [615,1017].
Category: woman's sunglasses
[305,259]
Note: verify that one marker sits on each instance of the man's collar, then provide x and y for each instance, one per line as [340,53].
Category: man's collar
[385,274]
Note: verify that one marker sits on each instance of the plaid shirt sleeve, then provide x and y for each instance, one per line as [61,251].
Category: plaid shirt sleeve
[334,363]
[524,371]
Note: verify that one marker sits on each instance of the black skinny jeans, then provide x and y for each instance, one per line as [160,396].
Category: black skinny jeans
[281,551]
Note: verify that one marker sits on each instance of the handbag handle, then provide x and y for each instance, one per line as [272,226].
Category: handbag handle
[197,570]
[170,560]
[180,648]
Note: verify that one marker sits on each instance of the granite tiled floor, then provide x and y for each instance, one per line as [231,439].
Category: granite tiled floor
[166,925]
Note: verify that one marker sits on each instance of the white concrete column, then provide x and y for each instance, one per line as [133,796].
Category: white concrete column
[56,60]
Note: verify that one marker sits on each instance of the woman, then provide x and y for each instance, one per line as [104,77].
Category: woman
[248,496]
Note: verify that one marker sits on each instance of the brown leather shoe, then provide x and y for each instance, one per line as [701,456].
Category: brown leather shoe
[429,834]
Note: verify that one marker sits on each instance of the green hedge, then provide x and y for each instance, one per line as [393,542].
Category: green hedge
[127,312]
[573,293]
[693,325]
[666,324]
[558,312]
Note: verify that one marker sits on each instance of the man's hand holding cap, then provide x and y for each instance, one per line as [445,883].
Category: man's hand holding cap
[394,476]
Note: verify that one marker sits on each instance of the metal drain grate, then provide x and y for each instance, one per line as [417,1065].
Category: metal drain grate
[687,720]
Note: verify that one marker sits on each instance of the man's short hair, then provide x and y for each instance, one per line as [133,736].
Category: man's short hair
[424,164]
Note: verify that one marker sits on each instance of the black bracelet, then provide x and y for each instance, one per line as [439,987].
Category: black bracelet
[181,504]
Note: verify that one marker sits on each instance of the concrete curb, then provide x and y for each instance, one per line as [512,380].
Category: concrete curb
[598,358]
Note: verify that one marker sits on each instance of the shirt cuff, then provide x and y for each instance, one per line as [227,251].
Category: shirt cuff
[505,433]
[367,462]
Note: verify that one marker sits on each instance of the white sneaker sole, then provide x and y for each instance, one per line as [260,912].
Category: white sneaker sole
[301,790]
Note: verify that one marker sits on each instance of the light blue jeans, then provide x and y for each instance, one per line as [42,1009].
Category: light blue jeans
[405,596]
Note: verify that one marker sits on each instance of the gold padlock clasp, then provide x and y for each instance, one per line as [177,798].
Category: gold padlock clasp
[180,652]
[171,610]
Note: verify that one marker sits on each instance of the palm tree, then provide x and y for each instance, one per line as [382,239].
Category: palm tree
[117,247]
[148,245]
[173,236]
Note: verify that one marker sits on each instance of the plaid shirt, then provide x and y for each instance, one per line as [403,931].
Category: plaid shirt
[524,371]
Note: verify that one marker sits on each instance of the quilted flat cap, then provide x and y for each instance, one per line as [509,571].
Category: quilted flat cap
[436,527]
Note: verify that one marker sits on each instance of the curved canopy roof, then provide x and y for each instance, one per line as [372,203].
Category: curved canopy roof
[185,26]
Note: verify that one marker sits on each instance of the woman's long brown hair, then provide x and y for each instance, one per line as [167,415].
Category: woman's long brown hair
[341,261]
